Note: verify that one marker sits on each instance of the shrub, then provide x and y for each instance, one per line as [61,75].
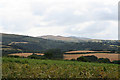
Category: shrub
[82,58]
[87,58]
[53,54]
[103,60]
[91,58]
[34,56]
[15,56]
[116,62]
[73,60]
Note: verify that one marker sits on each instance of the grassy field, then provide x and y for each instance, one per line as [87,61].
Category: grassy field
[36,68]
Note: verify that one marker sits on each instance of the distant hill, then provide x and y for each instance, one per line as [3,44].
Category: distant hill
[12,43]
[82,38]
[61,38]
[67,39]
[73,39]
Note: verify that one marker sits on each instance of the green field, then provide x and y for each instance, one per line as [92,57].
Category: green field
[36,68]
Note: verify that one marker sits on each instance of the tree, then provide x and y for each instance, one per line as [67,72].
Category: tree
[116,62]
[82,58]
[54,54]
[91,58]
[34,56]
[103,60]
[73,60]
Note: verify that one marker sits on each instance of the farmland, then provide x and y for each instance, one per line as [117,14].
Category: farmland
[54,64]
[86,51]
[75,54]
[36,68]
[110,56]
[25,54]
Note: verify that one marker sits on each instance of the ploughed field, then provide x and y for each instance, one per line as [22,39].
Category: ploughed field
[36,68]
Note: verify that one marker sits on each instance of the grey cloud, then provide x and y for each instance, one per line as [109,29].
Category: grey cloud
[65,18]
[38,9]
[96,12]
[15,25]
[92,30]
[105,15]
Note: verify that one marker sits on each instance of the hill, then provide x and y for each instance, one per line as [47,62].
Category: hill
[73,39]
[62,38]
[12,43]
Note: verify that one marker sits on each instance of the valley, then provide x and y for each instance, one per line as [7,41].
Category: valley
[37,57]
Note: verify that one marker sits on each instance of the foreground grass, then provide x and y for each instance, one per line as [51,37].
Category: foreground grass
[33,68]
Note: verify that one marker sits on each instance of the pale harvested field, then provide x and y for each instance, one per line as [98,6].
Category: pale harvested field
[85,51]
[17,43]
[25,54]
[111,56]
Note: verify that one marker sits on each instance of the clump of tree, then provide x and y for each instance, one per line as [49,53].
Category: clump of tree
[34,56]
[14,56]
[53,54]
[116,61]
[73,59]
[87,58]
[82,58]
[93,58]
[48,54]
[104,60]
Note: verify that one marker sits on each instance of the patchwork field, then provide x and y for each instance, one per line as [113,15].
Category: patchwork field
[17,43]
[36,68]
[111,56]
[25,54]
[86,51]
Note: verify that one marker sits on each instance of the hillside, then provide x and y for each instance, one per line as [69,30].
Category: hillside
[62,38]
[73,39]
[12,43]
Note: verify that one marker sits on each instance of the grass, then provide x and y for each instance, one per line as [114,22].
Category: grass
[34,68]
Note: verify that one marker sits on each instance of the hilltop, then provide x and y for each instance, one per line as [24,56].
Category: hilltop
[73,39]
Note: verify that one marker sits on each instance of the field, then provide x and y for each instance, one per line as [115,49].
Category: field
[86,51]
[25,54]
[110,56]
[36,68]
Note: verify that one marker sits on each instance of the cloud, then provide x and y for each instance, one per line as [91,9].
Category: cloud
[99,30]
[51,30]
[94,19]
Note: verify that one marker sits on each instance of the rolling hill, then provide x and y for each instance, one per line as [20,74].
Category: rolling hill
[67,39]
[12,43]
[73,39]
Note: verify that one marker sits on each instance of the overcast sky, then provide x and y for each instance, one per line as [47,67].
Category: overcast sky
[96,19]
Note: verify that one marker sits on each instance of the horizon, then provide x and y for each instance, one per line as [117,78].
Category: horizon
[56,36]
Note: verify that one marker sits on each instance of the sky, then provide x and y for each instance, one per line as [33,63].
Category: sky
[97,19]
